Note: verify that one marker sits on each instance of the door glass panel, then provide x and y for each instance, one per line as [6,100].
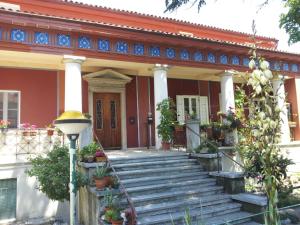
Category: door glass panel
[113,114]
[99,114]
[12,117]
[194,106]
[186,106]
[1,101]
[13,100]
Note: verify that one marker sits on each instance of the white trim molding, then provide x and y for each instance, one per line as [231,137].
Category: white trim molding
[109,81]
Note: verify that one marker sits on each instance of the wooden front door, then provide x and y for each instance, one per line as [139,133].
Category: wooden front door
[107,119]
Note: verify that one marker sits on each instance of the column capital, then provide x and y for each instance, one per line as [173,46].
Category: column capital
[228,73]
[73,59]
[158,66]
[279,77]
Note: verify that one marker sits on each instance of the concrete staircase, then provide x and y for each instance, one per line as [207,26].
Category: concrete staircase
[163,186]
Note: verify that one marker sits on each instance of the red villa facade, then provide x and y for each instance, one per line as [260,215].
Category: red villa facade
[128,62]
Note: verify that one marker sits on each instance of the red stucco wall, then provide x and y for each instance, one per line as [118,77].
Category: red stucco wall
[290,88]
[38,93]
[215,90]
[131,112]
[182,87]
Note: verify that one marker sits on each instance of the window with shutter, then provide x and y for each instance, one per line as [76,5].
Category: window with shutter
[192,105]
[9,107]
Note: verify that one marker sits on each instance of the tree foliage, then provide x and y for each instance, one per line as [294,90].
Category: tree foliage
[172,5]
[53,173]
[290,21]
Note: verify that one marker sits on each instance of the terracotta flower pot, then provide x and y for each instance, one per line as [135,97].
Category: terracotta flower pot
[166,145]
[178,128]
[116,222]
[50,132]
[101,183]
[89,158]
[101,159]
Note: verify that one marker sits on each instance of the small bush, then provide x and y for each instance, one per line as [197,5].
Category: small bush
[53,173]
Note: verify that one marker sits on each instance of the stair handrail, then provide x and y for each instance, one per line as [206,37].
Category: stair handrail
[218,153]
[121,186]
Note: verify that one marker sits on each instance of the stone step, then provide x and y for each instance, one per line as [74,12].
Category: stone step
[240,217]
[158,171]
[182,205]
[148,158]
[158,188]
[154,164]
[251,223]
[143,181]
[175,195]
[207,212]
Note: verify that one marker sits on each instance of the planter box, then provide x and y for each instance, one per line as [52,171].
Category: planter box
[233,182]
[208,161]
[252,203]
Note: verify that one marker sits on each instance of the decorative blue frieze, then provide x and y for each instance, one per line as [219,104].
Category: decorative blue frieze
[138,49]
[103,45]
[246,61]
[223,59]
[154,51]
[41,38]
[170,53]
[198,56]
[295,68]
[18,35]
[235,60]
[276,66]
[84,42]
[184,54]
[285,66]
[211,58]
[64,40]
[122,47]
[0,34]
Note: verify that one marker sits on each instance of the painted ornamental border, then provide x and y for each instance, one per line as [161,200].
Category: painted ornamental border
[106,45]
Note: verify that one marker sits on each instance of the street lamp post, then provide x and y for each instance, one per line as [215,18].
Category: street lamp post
[72,123]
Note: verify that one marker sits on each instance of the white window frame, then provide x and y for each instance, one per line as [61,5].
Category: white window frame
[5,104]
[199,101]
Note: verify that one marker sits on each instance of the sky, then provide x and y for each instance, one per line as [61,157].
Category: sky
[234,15]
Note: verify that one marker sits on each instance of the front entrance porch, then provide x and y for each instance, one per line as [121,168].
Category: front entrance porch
[206,90]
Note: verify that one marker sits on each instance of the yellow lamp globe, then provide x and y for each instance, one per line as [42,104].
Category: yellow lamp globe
[72,122]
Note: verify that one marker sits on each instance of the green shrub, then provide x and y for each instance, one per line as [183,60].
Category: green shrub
[53,173]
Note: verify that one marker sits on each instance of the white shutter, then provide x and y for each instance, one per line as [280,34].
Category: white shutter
[180,109]
[204,119]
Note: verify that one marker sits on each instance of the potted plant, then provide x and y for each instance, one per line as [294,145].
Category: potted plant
[167,118]
[108,215]
[87,153]
[28,129]
[101,177]
[50,130]
[4,125]
[100,156]
[116,218]
[111,201]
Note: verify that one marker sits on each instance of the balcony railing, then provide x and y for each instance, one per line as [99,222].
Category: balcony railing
[18,144]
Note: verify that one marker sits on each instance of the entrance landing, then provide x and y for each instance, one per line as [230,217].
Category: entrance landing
[125,154]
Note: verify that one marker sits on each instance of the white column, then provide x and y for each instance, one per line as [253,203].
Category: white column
[73,86]
[160,93]
[227,98]
[227,91]
[278,87]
